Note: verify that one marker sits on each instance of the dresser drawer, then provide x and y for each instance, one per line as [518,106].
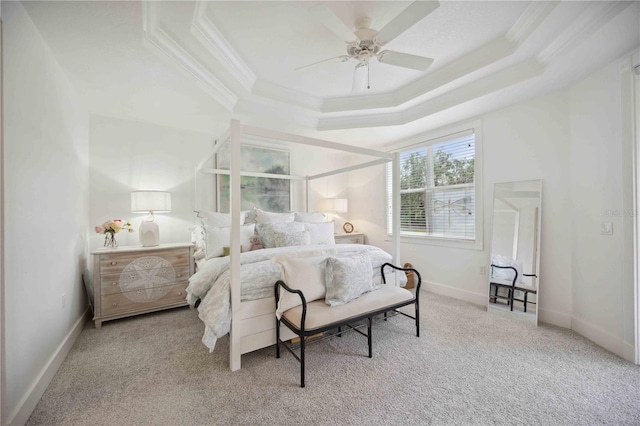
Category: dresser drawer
[354,238]
[143,299]
[131,278]
[115,263]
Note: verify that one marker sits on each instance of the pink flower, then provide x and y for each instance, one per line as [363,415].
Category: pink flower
[99,229]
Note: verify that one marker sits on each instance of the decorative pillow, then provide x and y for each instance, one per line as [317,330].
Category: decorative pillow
[219,238]
[301,273]
[314,217]
[290,239]
[505,274]
[267,231]
[270,217]
[219,220]
[347,278]
[321,233]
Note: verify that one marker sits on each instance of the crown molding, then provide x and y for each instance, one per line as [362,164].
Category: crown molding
[509,76]
[163,43]
[212,39]
[275,92]
[535,13]
[584,25]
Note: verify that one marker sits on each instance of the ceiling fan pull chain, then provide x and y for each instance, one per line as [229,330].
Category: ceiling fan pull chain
[368,87]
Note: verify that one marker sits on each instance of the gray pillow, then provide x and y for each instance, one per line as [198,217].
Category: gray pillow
[347,278]
[267,231]
[290,239]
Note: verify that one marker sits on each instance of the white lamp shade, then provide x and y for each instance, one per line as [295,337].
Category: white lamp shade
[338,205]
[150,201]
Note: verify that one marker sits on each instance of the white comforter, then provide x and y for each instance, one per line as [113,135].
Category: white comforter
[258,275]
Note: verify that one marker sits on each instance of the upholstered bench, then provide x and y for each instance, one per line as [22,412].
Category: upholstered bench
[311,318]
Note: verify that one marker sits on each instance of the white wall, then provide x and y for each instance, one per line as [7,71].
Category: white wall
[128,156]
[572,140]
[597,196]
[46,213]
[526,141]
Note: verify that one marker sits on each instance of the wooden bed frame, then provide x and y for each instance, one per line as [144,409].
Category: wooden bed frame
[252,322]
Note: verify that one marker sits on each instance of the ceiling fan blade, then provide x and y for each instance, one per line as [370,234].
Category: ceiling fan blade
[405,60]
[360,77]
[406,19]
[326,17]
[341,58]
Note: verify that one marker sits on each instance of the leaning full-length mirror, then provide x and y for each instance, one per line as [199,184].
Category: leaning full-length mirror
[515,249]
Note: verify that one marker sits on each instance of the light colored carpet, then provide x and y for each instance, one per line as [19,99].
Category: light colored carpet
[469,367]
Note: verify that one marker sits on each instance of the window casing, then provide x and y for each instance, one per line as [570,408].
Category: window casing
[439,187]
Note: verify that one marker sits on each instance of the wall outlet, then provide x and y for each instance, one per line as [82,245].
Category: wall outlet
[606,228]
[63,300]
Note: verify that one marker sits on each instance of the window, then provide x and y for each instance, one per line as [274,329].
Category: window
[437,189]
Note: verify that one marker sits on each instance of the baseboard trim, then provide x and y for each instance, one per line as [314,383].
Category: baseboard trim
[598,336]
[456,293]
[629,352]
[556,318]
[36,390]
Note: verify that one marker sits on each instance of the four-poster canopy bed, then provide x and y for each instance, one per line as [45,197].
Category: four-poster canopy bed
[252,322]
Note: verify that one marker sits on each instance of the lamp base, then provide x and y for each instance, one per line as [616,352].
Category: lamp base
[149,233]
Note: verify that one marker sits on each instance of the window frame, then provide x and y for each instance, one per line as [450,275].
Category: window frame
[428,139]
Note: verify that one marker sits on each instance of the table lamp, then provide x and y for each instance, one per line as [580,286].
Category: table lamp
[150,202]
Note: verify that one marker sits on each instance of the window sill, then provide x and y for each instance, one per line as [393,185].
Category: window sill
[440,242]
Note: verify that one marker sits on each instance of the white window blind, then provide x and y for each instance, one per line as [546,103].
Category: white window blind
[437,188]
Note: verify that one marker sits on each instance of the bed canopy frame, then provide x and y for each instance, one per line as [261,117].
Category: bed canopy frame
[250,319]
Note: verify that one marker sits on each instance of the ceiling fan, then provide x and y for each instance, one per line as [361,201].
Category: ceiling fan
[366,43]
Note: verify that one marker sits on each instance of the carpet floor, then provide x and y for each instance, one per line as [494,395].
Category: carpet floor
[468,367]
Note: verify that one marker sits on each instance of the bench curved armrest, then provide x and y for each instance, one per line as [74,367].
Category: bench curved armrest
[281,283]
[398,268]
[515,271]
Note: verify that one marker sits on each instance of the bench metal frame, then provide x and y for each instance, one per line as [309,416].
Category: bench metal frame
[304,334]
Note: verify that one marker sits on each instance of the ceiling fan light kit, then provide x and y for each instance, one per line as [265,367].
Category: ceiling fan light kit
[366,43]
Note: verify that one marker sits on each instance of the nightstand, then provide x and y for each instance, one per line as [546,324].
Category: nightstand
[352,238]
[136,280]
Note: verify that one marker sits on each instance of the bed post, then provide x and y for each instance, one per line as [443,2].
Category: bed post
[235,353]
[395,202]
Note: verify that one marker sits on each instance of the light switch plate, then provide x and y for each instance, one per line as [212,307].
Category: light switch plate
[606,228]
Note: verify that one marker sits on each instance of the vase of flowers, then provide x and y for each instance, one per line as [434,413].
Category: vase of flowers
[110,228]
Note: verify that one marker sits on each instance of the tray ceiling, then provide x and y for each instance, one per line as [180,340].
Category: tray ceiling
[195,64]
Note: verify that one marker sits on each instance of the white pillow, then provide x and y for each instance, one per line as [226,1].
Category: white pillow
[219,238]
[320,233]
[290,239]
[267,231]
[300,273]
[313,217]
[219,220]
[347,278]
[270,217]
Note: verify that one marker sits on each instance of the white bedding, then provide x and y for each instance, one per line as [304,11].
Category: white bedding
[258,275]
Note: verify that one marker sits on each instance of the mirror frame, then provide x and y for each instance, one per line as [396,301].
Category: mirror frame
[516,314]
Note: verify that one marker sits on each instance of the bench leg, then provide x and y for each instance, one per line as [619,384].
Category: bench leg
[302,339]
[369,321]
[277,338]
[417,318]
[385,316]
[339,331]
[525,300]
